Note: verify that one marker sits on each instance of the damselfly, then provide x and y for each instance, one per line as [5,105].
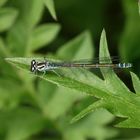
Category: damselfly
[112,62]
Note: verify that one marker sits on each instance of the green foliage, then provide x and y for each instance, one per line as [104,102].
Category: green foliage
[129,41]
[136,82]
[122,99]
[37,106]
[43,35]
[85,45]
[47,101]
[2,2]
[7,18]
[79,131]
[22,124]
[113,94]
[50,5]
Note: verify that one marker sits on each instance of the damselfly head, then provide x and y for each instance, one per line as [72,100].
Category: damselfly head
[33,66]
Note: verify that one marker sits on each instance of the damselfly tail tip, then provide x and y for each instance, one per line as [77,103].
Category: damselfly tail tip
[129,65]
[125,65]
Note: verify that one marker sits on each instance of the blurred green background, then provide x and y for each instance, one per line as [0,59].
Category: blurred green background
[33,109]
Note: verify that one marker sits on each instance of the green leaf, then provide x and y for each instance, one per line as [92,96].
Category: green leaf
[43,35]
[28,120]
[114,103]
[91,108]
[129,41]
[8,97]
[117,100]
[45,97]
[80,47]
[63,98]
[139,6]
[136,82]
[92,126]
[24,63]
[18,38]
[2,2]
[117,87]
[3,51]
[30,12]
[50,5]
[111,79]
[7,18]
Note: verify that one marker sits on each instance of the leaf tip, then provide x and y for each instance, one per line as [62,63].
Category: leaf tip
[103,32]
[51,7]
[103,52]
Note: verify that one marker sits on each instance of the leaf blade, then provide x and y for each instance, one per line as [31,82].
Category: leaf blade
[7,18]
[112,80]
[136,83]
[43,35]
[2,2]
[90,108]
[81,47]
[50,5]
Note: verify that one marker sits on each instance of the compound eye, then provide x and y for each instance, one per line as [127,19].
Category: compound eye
[33,66]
